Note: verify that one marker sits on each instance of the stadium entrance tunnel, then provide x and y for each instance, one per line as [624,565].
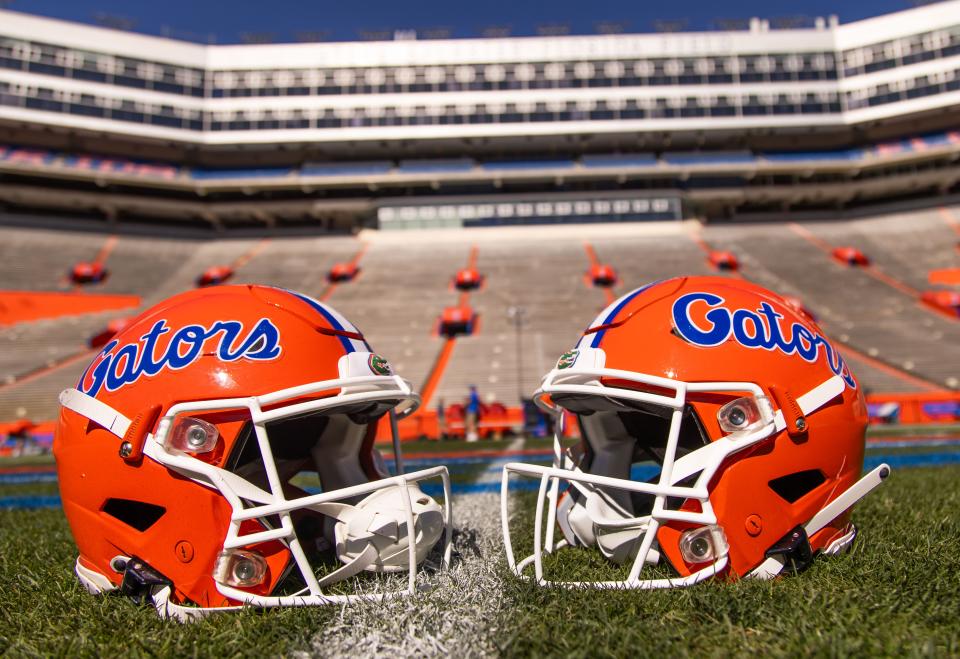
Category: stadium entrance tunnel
[88,273]
[724,261]
[467,279]
[850,256]
[214,275]
[115,326]
[457,321]
[603,276]
[947,302]
[342,272]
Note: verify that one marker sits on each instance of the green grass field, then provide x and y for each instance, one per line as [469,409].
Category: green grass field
[897,593]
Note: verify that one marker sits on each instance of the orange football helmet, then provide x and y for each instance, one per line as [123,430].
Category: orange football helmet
[721,431]
[219,452]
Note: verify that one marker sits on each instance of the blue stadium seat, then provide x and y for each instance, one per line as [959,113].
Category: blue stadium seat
[438,165]
[507,165]
[619,160]
[213,174]
[804,156]
[707,158]
[347,168]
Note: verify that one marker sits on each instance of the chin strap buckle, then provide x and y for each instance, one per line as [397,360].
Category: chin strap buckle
[140,580]
[793,549]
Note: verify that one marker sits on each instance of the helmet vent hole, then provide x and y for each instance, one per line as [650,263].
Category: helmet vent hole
[138,514]
[793,486]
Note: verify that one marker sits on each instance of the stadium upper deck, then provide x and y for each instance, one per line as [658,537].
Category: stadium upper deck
[826,79]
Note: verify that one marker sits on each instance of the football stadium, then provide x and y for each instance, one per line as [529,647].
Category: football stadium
[424,345]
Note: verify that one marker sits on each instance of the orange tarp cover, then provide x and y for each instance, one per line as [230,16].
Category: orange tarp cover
[20,306]
[947,276]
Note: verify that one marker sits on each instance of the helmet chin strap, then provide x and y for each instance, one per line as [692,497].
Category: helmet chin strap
[775,564]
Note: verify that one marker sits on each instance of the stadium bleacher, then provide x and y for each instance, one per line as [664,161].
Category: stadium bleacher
[41,260]
[545,278]
[404,285]
[855,308]
[398,297]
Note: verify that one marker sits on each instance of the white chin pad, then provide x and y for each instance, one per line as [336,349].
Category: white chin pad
[582,524]
[618,544]
[575,523]
[381,520]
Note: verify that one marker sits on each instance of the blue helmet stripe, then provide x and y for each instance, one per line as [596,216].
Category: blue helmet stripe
[624,301]
[345,341]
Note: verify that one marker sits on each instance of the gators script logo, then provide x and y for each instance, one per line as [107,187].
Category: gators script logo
[703,320]
[228,340]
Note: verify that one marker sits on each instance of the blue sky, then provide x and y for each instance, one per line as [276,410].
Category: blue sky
[284,19]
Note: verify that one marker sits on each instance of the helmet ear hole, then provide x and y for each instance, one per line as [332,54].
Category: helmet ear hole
[793,486]
[137,514]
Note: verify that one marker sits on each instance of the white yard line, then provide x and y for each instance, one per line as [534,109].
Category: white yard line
[458,617]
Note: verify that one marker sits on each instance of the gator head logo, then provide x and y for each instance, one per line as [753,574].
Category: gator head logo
[379,365]
[567,359]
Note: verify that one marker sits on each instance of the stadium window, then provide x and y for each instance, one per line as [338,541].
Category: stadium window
[511,114]
[298,85]
[126,74]
[296,119]
[165,120]
[541,113]
[688,74]
[752,106]
[583,71]
[87,107]
[811,104]
[390,117]
[694,107]
[464,75]
[327,119]
[45,61]
[127,111]
[952,82]
[750,72]
[784,104]
[659,76]
[44,100]
[494,75]
[375,78]
[7,97]
[311,79]
[405,77]
[238,122]
[613,71]
[449,115]
[723,106]
[267,122]
[778,68]
[554,72]
[601,112]
[7,60]
[718,73]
